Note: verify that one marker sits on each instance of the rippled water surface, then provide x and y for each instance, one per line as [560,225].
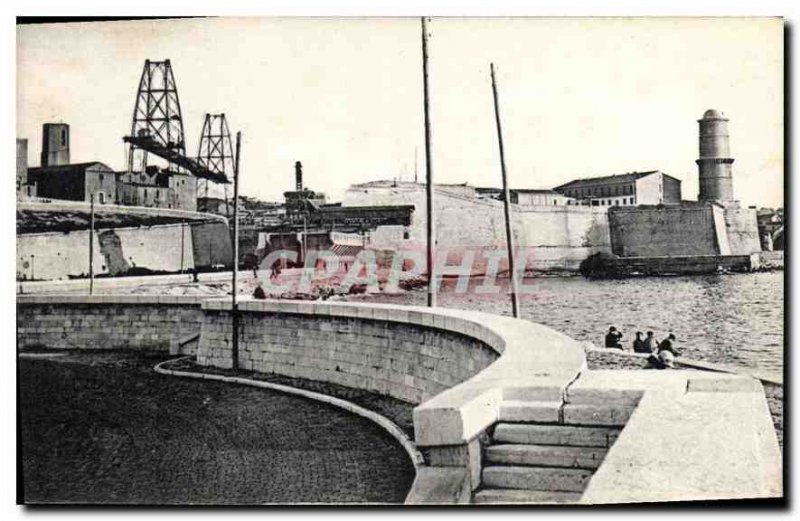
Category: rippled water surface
[736,320]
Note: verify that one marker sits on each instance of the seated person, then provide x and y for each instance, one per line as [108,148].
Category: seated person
[668,344]
[663,360]
[639,345]
[650,343]
[613,338]
[259,293]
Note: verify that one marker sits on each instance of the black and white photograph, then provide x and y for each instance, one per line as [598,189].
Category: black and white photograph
[409,260]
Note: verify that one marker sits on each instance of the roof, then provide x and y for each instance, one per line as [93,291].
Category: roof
[533,191]
[145,185]
[517,190]
[611,179]
[713,114]
[71,168]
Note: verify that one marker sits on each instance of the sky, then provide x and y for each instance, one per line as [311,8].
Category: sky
[579,97]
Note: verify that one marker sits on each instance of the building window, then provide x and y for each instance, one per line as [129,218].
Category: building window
[63,137]
[101,198]
[101,178]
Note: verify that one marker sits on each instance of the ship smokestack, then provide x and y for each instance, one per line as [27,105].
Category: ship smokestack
[298,176]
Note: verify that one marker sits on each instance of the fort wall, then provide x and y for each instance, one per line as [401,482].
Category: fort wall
[60,256]
[741,226]
[683,230]
[555,237]
[212,245]
[658,231]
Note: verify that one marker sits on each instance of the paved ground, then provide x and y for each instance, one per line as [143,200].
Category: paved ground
[611,360]
[102,427]
[399,412]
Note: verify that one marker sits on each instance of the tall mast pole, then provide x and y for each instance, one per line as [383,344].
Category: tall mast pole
[91,244]
[234,309]
[431,227]
[506,204]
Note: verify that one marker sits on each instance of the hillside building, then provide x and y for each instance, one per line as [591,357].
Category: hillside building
[75,182]
[25,189]
[157,188]
[57,178]
[526,196]
[634,188]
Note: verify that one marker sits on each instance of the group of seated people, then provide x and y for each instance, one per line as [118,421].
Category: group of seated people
[662,354]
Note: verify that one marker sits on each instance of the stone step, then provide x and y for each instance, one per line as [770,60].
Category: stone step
[536,478]
[507,496]
[521,411]
[605,415]
[545,456]
[569,435]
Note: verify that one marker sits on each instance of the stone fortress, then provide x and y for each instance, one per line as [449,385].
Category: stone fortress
[716,224]
[639,214]
[636,215]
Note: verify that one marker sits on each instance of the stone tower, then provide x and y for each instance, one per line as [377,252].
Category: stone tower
[55,144]
[714,163]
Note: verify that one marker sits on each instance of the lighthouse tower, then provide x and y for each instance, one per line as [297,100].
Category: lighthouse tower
[714,163]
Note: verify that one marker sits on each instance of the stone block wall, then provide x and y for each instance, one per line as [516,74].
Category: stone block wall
[682,230]
[407,361]
[53,256]
[654,231]
[212,245]
[105,322]
[62,255]
[742,228]
[555,236]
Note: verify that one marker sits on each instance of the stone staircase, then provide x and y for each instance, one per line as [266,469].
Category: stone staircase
[546,453]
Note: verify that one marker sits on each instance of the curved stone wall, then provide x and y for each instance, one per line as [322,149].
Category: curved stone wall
[105,322]
[449,359]
[462,368]
[362,347]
